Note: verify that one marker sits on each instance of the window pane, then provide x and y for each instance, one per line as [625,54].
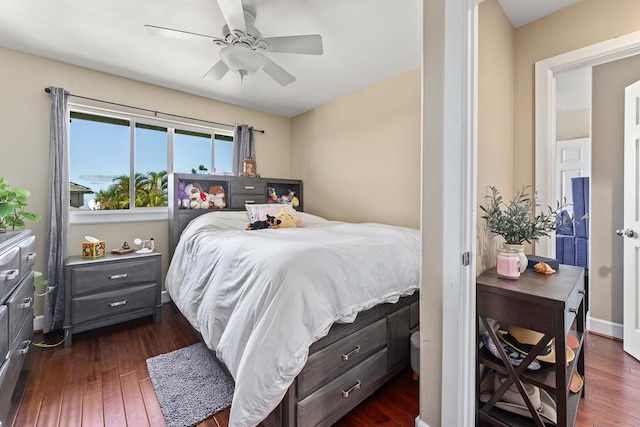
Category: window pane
[223,154]
[191,152]
[151,165]
[98,162]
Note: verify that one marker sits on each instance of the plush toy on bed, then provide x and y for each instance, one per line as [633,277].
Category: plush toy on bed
[286,219]
[271,222]
[217,199]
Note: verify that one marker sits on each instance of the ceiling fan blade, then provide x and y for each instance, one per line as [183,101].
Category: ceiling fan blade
[177,34]
[217,72]
[277,73]
[309,44]
[233,14]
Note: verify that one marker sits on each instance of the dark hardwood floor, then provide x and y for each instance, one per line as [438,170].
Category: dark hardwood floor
[103,380]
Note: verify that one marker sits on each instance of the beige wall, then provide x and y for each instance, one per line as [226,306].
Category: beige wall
[359,156]
[24,116]
[573,124]
[496,37]
[586,23]
[609,81]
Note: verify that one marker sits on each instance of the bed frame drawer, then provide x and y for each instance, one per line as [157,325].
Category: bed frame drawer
[108,304]
[105,276]
[341,356]
[342,394]
[249,186]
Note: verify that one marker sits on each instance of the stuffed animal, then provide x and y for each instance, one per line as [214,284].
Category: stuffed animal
[271,222]
[198,199]
[272,196]
[292,199]
[183,200]
[217,199]
[286,219]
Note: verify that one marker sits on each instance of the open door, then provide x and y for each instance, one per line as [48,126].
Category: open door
[631,227]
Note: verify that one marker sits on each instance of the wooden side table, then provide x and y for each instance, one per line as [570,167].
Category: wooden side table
[550,304]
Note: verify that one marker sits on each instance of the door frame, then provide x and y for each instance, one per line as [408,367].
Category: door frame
[545,107]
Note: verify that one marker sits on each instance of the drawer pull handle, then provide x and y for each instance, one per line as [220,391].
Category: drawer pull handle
[9,274]
[25,347]
[574,310]
[351,353]
[118,276]
[117,303]
[27,303]
[31,256]
[249,187]
[249,201]
[353,388]
[581,291]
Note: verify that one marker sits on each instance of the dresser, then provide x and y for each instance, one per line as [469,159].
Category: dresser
[17,256]
[550,304]
[110,289]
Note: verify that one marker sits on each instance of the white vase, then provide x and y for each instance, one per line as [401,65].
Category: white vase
[520,250]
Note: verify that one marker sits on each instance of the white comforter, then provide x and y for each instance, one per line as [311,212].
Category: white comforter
[261,298]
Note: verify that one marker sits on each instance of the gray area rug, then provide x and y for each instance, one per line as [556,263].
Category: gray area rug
[190,385]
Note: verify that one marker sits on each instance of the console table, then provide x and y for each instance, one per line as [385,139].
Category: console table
[550,304]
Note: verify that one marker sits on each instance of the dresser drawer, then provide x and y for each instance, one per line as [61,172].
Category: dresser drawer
[345,392]
[249,186]
[4,333]
[13,365]
[20,305]
[5,396]
[103,276]
[113,303]
[27,253]
[341,356]
[9,271]
[573,304]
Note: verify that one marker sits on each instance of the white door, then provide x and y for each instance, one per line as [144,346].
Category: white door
[573,160]
[629,230]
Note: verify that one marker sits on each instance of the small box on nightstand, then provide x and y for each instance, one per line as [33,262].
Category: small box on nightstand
[93,249]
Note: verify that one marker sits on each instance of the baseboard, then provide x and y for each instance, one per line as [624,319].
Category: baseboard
[604,327]
[420,423]
[38,321]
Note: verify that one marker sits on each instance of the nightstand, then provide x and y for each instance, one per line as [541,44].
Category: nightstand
[111,289]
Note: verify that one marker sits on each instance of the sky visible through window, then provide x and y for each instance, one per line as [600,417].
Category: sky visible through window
[99,152]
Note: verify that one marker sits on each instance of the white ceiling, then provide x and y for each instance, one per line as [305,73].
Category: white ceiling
[365,42]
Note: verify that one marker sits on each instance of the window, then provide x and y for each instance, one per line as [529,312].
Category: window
[107,149]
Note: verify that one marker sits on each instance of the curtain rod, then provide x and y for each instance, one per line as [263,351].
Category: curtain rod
[155,112]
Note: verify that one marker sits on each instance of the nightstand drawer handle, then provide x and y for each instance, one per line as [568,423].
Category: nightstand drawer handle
[25,347]
[117,303]
[118,276]
[9,274]
[31,256]
[249,187]
[27,303]
[351,353]
[574,310]
[353,388]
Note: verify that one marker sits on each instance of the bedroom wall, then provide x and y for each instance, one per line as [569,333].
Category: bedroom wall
[359,156]
[609,82]
[496,38]
[586,23]
[24,115]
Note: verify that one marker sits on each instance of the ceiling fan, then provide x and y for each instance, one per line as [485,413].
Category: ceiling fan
[243,45]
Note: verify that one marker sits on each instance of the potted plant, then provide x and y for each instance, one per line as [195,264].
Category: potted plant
[516,220]
[13,203]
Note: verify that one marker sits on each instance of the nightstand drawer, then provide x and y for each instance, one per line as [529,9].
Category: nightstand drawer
[20,307]
[10,273]
[249,186]
[105,276]
[337,396]
[108,304]
[340,356]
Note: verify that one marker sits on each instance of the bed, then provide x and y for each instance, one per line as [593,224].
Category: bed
[309,320]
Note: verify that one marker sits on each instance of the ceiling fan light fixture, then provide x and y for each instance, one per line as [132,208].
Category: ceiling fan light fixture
[242,60]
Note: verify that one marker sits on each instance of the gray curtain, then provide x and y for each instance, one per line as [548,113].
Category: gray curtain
[243,146]
[58,214]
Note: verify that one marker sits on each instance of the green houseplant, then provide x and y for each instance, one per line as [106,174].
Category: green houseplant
[516,220]
[13,203]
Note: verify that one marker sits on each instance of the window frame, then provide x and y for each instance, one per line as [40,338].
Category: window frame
[137,214]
